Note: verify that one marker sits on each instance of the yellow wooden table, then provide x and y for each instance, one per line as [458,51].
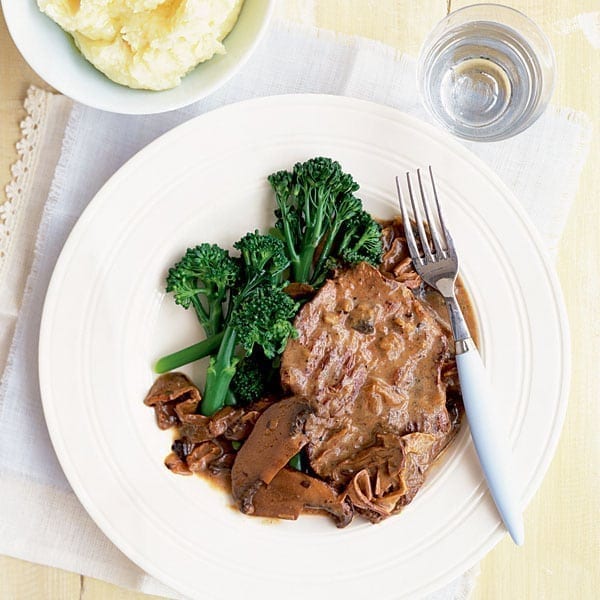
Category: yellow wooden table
[561,559]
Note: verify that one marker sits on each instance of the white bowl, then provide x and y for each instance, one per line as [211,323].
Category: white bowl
[52,54]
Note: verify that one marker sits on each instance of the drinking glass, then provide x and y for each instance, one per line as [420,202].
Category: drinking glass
[486,72]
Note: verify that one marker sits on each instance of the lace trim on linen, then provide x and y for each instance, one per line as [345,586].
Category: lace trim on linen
[35,106]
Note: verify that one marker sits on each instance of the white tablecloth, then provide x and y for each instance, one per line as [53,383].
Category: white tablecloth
[40,518]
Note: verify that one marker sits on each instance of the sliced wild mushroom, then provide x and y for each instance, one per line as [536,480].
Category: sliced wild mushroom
[166,393]
[291,492]
[277,436]
[174,463]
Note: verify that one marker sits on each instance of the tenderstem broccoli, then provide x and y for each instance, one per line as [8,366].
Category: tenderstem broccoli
[190,354]
[260,315]
[321,221]
[240,302]
[262,319]
[202,279]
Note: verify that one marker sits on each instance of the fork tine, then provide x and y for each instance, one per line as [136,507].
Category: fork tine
[433,228]
[447,236]
[419,220]
[408,232]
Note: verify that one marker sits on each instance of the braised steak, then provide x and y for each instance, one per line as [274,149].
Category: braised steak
[368,363]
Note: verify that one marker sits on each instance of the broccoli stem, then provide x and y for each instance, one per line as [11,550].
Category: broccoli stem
[291,248]
[314,234]
[287,231]
[304,264]
[190,354]
[296,462]
[211,320]
[215,320]
[230,399]
[200,312]
[219,375]
[319,271]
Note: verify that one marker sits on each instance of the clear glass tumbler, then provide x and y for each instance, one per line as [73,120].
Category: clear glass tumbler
[486,72]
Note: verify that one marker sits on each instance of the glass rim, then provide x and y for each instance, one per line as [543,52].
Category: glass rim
[503,7]
[434,35]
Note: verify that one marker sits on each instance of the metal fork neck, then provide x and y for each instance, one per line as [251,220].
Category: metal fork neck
[457,320]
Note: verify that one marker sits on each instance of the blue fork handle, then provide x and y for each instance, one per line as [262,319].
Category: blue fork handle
[490,441]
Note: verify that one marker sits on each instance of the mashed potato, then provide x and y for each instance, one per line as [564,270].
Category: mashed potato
[147,44]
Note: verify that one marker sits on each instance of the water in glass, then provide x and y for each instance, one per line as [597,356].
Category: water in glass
[482,79]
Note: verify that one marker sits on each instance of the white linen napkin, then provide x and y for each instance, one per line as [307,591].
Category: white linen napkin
[40,518]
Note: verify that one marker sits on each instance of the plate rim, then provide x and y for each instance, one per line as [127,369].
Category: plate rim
[323,100]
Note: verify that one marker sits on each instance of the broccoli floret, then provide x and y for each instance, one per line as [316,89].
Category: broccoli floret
[264,319]
[260,315]
[359,241]
[252,378]
[315,207]
[347,210]
[207,276]
[362,241]
[202,279]
[263,258]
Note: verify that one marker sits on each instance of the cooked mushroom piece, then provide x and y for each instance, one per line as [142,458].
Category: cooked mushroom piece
[261,484]
[277,436]
[291,492]
[166,393]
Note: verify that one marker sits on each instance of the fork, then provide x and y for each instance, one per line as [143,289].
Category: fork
[435,260]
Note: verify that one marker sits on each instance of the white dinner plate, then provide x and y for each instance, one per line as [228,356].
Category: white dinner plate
[106,320]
